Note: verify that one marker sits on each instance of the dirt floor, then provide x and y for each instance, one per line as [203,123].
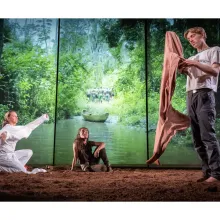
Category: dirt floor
[61,184]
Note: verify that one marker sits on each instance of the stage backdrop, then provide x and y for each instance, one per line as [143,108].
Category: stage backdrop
[102,77]
[102,68]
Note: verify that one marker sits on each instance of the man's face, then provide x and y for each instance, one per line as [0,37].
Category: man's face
[196,40]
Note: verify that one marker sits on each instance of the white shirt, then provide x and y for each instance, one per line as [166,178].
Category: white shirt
[16,133]
[207,57]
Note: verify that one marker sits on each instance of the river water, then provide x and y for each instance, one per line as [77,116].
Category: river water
[124,145]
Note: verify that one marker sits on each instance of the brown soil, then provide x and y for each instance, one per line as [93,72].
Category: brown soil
[61,184]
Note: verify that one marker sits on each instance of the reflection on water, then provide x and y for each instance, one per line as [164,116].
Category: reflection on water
[124,145]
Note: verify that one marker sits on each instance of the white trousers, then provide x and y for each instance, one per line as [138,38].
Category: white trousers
[15,162]
[24,156]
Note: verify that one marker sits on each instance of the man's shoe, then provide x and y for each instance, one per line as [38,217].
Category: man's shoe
[204,178]
[211,180]
[109,169]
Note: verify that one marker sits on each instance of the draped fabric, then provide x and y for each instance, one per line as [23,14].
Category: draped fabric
[170,120]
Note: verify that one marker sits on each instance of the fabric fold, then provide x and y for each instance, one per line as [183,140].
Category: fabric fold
[170,120]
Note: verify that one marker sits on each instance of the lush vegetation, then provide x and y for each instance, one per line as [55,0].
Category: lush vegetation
[94,53]
[28,68]
[103,53]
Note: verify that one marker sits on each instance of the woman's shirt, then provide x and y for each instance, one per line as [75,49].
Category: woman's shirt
[8,146]
[16,133]
[85,153]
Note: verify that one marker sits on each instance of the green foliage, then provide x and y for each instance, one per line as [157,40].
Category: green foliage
[111,32]
[72,79]
[131,90]
[28,78]
[3,110]
[153,109]
[107,53]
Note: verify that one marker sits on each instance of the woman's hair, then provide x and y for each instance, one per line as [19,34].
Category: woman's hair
[7,115]
[197,30]
[78,140]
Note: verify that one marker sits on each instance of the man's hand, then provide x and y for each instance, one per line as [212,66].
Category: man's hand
[203,78]
[183,67]
[187,63]
[186,72]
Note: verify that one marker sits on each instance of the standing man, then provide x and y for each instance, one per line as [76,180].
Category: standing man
[202,72]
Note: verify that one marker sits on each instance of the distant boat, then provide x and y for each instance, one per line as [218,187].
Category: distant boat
[94,117]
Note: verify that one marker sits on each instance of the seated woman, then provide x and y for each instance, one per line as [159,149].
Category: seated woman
[82,149]
[10,134]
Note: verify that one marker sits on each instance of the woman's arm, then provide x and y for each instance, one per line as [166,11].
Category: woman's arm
[34,124]
[75,156]
[99,145]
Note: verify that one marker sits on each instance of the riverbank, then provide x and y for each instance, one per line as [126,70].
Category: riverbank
[61,184]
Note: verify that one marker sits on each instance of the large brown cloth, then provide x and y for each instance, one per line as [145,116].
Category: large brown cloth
[170,120]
